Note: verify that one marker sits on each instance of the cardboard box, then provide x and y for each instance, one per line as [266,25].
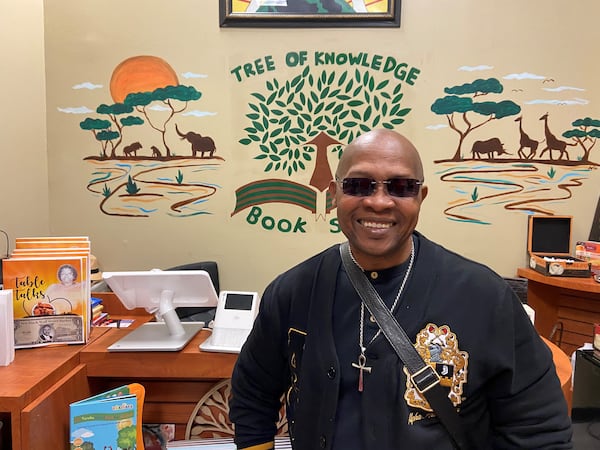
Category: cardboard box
[549,244]
[589,251]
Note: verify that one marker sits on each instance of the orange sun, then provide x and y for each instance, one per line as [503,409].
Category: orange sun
[141,74]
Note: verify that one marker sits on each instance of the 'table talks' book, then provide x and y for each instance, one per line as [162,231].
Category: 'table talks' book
[50,282]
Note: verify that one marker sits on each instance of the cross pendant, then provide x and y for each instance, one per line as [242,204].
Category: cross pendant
[362,366]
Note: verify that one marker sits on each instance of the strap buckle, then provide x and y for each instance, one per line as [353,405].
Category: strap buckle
[425,378]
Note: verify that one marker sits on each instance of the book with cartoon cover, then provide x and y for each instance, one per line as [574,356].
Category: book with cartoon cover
[112,419]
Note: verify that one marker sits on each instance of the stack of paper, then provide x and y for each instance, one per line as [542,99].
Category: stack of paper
[7,339]
[50,281]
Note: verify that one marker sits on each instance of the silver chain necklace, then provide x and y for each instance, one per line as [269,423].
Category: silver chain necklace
[361,365]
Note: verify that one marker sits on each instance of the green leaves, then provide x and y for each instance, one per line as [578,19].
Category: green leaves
[287,115]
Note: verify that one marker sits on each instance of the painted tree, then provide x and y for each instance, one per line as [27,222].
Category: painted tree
[293,118]
[98,127]
[113,112]
[459,102]
[173,99]
[586,134]
[107,136]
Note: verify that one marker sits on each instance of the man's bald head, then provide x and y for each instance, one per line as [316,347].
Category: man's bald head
[380,137]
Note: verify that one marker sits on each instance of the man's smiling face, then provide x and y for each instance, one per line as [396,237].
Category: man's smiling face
[379,226]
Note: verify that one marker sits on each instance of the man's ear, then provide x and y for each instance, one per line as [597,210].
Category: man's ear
[424,192]
[332,191]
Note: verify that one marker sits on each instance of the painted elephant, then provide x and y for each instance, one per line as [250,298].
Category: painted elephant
[200,144]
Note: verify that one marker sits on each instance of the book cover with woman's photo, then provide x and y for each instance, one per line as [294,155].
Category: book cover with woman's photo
[51,298]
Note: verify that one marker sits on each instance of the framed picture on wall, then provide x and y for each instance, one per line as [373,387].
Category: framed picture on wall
[309,13]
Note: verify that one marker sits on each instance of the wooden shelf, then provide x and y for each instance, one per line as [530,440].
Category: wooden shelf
[566,304]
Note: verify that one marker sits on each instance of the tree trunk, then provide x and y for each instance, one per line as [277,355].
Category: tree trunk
[322,172]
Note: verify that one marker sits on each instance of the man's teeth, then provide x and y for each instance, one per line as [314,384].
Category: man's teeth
[376,224]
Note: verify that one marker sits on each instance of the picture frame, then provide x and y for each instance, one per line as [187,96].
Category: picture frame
[299,13]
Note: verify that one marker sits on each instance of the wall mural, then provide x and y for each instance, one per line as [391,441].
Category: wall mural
[135,178]
[521,173]
[295,124]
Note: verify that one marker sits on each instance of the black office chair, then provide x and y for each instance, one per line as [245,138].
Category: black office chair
[193,313]
[519,285]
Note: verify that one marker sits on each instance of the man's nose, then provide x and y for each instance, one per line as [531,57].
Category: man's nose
[380,198]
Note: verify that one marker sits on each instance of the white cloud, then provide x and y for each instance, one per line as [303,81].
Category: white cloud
[475,68]
[576,101]
[436,127]
[564,88]
[524,76]
[197,113]
[159,108]
[88,85]
[193,75]
[76,110]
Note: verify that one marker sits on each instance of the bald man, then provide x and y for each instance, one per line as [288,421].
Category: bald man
[315,344]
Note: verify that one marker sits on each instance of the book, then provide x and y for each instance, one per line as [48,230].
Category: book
[101,318]
[7,339]
[112,419]
[50,281]
[96,311]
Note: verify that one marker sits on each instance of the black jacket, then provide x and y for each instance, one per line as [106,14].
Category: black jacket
[509,395]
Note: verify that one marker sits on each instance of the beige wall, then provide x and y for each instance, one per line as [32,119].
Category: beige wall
[85,41]
[23,158]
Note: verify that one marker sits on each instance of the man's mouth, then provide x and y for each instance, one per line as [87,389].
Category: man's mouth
[374,224]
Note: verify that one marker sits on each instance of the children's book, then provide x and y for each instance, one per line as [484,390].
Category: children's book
[112,419]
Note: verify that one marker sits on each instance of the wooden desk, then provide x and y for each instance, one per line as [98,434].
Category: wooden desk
[37,388]
[35,391]
[572,302]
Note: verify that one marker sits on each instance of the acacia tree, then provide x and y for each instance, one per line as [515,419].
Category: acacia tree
[174,98]
[107,135]
[460,102]
[113,111]
[99,129]
[586,134]
[292,118]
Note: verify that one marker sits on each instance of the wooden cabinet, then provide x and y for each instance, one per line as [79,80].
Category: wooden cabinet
[569,306]
[43,420]
[34,397]
[174,381]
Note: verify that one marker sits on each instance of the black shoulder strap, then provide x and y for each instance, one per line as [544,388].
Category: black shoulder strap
[422,375]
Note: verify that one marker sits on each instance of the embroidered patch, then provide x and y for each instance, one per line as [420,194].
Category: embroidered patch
[438,347]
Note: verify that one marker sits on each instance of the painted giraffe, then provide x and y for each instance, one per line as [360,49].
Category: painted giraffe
[526,142]
[552,142]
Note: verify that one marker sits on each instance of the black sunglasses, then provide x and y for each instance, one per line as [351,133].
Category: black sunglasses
[396,187]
